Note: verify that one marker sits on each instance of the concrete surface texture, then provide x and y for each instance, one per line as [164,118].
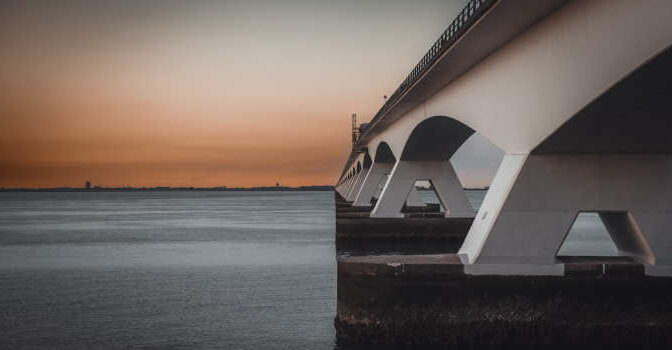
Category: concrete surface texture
[578,101]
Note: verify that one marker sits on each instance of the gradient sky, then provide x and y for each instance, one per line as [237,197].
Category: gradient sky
[201,93]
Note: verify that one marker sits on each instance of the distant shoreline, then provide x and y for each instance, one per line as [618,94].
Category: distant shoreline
[195,189]
[167,188]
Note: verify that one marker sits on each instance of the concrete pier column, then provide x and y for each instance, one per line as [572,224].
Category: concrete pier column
[654,232]
[402,180]
[356,185]
[379,188]
[371,183]
[534,200]
[348,186]
[340,188]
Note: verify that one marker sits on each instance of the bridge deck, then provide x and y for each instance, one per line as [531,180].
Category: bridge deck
[481,34]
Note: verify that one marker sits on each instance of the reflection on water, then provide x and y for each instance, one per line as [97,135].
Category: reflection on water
[239,270]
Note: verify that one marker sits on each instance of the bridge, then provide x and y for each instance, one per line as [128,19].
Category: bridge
[577,96]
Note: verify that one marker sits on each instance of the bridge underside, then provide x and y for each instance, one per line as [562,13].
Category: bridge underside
[579,102]
[634,116]
[614,157]
[584,126]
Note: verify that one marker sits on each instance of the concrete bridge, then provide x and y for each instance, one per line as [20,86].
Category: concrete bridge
[578,96]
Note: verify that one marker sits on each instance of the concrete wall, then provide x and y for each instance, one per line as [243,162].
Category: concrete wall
[574,55]
[521,95]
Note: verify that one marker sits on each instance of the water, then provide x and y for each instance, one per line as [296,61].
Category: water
[167,270]
[176,270]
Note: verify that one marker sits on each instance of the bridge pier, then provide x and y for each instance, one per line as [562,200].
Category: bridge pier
[423,229]
[339,189]
[534,200]
[407,218]
[356,185]
[348,187]
[371,183]
[402,180]
[343,187]
[576,93]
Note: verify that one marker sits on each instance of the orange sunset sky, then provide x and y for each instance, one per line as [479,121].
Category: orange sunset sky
[198,93]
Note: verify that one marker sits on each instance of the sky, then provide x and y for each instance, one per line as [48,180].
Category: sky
[202,92]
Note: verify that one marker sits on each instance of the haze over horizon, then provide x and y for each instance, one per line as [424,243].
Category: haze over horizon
[203,93]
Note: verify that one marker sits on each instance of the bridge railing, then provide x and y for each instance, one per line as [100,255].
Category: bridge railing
[469,14]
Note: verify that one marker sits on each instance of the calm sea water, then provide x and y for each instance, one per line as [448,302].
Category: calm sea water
[177,270]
